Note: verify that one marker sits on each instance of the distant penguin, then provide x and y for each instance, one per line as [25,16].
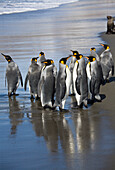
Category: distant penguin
[110,25]
[107,63]
[80,81]
[33,76]
[13,75]
[47,84]
[41,59]
[63,83]
[71,66]
[94,54]
[94,80]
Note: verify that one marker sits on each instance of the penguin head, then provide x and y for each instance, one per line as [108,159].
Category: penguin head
[74,52]
[105,46]
[78,57]
[64,60]
[7,57]
[47,63]
[34,59]
[93,49]
[41,54]
[91,58]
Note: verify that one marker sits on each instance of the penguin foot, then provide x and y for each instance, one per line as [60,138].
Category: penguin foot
[72,94]
[37,98]
[49,107]
[32,97]
[98,98]
[9,94]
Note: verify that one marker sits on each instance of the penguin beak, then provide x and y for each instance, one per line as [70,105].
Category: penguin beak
[71,50]
[68,57]
[101,44]
[3,55]
[86,57]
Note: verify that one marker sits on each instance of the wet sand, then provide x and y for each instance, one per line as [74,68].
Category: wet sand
[32,138]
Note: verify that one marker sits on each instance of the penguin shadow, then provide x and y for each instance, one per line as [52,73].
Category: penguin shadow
[91,102]
[15,114]
[112,79]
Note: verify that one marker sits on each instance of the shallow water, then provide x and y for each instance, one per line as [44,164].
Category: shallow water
[32,138]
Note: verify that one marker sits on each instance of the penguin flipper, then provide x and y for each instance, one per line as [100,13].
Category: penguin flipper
[92,84]
[5,80]
[78,84]
[21,78]
[26,80]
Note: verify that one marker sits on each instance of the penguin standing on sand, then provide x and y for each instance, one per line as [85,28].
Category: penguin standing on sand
[47,84]
[107,63]
[13,75]
[94,54]
[63,83]
[80,81]
[94,80]
[71,66]
[33,76]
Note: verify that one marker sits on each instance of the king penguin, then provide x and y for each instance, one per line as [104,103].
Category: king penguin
[41,59]
[13,75]
[33,76]
[71,66]
[80,81]
[47,84]
[63,83]
[94,54]
[107,63]
[94,80]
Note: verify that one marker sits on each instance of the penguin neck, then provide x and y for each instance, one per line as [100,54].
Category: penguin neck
[42,58]
[10,61]
[107,50]
[62,66]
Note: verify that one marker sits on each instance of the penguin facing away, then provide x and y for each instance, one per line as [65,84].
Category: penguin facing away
[94,80]
[71,66]
[33,76]
[13,75]
[63,83]
[94,54]
[107,63]
[80,81]
[47,84]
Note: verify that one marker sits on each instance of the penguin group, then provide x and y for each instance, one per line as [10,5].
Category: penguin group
[82,78]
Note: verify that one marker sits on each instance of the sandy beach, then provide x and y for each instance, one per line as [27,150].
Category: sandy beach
[33,138]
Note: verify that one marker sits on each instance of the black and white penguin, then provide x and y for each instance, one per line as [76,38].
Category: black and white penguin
[63,83]
[71,66]
[33,76]
[107,63]
[13,75]
[47,84]
[80,81]
[94,80]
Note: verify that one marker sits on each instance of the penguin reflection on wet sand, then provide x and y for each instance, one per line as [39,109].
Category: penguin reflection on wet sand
[33,76]
[80,81]
[107,63]
[63,83]
[47,84]
[71,66]
[13,75]
[94,80]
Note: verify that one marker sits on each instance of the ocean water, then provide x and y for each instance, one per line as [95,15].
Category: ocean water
[15,6]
